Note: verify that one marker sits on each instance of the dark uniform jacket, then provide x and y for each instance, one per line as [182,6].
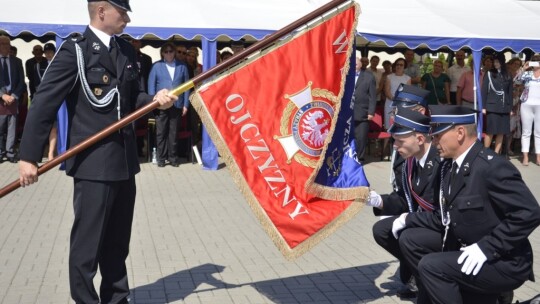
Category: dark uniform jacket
[365,93]
[113,158]
[491,206]
[493,102]
[396,203]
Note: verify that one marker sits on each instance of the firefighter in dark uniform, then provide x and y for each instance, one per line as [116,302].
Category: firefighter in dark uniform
[486,213]
[97,75]
[412,98]
[419,163]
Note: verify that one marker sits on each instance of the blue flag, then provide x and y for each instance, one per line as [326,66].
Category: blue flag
[341,170]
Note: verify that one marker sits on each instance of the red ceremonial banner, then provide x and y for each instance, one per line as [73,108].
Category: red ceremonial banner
[271,118]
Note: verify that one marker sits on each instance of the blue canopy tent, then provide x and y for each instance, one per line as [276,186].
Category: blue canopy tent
[476,25]
[496,24]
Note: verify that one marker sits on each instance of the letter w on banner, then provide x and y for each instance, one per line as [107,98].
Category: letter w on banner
[277,120]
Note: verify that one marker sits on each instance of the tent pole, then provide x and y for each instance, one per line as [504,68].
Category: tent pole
[477,60]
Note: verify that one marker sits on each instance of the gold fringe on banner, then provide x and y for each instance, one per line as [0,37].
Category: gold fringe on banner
[226,155]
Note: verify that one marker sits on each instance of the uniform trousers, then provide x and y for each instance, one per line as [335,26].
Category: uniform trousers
[440,276]
[382,233]
[100,236]
[361,129]
[9,121]
[166,129]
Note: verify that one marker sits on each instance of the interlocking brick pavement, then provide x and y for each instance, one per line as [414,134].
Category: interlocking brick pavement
[195,240]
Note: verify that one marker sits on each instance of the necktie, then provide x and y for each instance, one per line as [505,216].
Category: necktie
[5,72]
[453,173]
[418,172]
[113,49]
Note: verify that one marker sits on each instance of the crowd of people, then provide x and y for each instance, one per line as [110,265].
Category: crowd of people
[509,90]
[510,87]
[178,64]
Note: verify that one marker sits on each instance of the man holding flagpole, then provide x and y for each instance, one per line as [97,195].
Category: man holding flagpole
[96,74]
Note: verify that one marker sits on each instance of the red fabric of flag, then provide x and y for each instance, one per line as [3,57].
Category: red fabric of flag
[271,118]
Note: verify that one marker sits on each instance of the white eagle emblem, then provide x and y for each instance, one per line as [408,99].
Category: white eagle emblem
[306,124]
[312,129]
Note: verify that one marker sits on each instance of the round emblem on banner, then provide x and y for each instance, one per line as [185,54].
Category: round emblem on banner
[306,124]
[311,125]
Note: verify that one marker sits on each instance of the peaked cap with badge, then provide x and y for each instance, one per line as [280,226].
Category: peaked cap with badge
[409,96]
[408,121]
[443,117]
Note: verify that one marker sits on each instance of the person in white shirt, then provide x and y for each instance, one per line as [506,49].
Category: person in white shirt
[455,72]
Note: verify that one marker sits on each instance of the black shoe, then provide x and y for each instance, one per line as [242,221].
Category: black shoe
[161,164]
[174,164]
[409,290]
[13,159]
[506,298]
[406,293]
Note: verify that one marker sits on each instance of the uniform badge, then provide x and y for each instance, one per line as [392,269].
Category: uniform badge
[305,124]
[96,46]
[98,91]
[105,78]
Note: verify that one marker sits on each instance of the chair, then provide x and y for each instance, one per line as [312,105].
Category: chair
[376,128]
[185,133]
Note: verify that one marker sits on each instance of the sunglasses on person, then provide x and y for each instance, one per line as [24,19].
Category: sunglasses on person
[168,51]
[182,52]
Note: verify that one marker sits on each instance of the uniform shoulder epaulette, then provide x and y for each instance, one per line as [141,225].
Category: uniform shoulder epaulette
[76,37]
[487,154]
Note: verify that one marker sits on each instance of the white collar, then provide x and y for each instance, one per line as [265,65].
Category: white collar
[422,161]
[104,37]
[461,158]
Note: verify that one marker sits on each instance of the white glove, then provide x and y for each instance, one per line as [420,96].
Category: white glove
[472,258]
[398,225]
[374,200]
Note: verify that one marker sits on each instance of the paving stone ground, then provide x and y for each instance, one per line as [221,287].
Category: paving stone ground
[195,240]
